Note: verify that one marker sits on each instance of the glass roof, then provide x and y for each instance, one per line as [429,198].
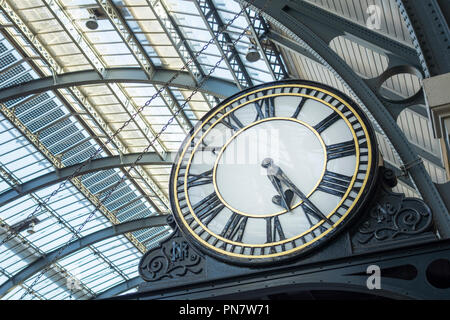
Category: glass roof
[51,130]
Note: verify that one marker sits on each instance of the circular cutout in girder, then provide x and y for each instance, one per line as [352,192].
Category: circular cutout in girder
[401,79]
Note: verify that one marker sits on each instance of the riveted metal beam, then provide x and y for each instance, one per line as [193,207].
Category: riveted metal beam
[80,100]
[90,53]
[24,248]
[58,164]
[430,33]
[328,26]
[214,86]
[120,288]
[181,45]
[48,179]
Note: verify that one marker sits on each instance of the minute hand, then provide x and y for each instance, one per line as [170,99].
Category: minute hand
[283,178]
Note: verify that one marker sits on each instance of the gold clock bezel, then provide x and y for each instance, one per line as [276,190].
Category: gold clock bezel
[371,168]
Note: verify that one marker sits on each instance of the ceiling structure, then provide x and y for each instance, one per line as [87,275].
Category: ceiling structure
[92,94]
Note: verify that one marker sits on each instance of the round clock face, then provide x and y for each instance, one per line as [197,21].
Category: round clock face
[272,172]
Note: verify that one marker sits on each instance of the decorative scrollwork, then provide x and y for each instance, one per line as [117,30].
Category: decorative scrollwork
[173,258]
[392,217]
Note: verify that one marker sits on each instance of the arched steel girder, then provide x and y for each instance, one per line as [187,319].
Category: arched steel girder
[430,32]
[42,262]
[428,22]
[149,158]
[121,287]
[214,86]
[290,16]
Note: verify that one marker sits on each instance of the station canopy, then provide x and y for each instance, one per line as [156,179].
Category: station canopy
[87,79]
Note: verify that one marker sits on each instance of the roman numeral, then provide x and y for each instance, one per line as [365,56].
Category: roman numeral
[327,122]
[299,107]
[341,150]
[270,107]
[274,231]
[199,179]
[207,209]
[232,122]
[311,212]
[234,228]
[334,183]
[265,109]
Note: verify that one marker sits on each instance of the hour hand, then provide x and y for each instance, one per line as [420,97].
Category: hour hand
[282,199]
[282,178]
[312,208]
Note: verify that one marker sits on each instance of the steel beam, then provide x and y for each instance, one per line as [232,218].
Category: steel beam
[430,33]
[214,86]
[223,41]
[118,289]
[44,261]
[295,47]
[24,249]
[149,158]
[289,44]
[291,17]
[92,55]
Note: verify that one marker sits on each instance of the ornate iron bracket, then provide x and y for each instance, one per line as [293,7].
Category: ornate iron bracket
[392,217]
[173,258]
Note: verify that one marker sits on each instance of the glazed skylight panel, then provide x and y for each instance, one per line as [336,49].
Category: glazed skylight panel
[56,234]
[141,35]
[47,288]
[86,266]
[57,42]
[197,35]
[17,292]
[146,22]
[18,156]
[258,71]
[120,252]
[71,20]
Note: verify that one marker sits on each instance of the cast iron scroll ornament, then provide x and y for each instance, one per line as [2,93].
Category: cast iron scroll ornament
[394,217]
[173,258]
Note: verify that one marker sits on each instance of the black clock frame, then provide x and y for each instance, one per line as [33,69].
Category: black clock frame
[348,221]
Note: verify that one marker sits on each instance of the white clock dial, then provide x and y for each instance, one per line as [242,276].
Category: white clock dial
[272,172]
